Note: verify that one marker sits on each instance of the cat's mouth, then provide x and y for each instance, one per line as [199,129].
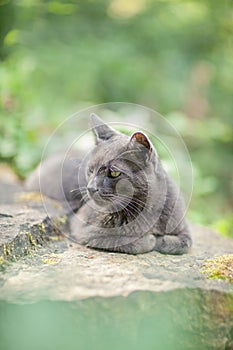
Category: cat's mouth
[112,201]
[100,197]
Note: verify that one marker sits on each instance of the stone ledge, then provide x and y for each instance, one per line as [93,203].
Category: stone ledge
[77,272]
[36,244]
[23,229]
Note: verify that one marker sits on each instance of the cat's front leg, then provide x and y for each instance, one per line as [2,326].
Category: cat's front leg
[122,244]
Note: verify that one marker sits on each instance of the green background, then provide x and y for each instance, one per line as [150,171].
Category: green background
[173,56]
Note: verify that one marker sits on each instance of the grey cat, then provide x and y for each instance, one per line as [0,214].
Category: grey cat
[124,199]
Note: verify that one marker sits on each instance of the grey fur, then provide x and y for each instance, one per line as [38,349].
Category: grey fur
[56,177]
[138,211]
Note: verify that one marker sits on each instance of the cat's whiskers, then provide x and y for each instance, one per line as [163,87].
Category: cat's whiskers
[125,210]
[80,191]
[139,212]
[136,217]
[126,206]
[136,201]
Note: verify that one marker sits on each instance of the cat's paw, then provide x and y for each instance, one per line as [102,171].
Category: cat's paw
[173,244]
[144,244]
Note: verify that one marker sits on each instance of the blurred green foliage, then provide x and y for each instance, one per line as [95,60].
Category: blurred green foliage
[174,56]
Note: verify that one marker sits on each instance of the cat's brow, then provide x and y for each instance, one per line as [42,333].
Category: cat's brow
[125,153]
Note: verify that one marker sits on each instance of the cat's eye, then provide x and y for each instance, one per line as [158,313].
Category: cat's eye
[114,173]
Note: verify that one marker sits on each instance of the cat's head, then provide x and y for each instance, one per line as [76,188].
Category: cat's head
[119,168]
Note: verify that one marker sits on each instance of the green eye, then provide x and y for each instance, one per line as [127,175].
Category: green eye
[114,173]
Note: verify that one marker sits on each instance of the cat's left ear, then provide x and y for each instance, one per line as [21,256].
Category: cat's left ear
[101,130]
[140,139]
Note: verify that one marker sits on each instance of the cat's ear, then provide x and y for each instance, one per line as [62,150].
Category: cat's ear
[101,130]
[140,139]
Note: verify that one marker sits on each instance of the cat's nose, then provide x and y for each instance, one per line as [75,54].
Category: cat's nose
[92,190]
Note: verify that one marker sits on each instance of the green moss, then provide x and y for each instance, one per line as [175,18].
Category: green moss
[21,246]
[52,260]
[3,264]
[60,220]
[31,239]
[55,238]
[6,249]
[59,225]
[220,267]
[64,219]
[41,227]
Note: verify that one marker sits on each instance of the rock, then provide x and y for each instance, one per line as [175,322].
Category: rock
[79,272]
[25,225]
[39,262]
[38,239]
[23,229]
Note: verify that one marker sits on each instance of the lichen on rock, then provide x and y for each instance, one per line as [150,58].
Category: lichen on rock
[220,267]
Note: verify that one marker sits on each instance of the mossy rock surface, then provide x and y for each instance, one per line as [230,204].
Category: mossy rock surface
[38,261]
[220,267]
[34,236]
[28,221]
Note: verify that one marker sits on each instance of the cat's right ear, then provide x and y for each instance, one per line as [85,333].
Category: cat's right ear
[139,138]
[101,130]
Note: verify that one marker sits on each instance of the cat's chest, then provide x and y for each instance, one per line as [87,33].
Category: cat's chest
[118,223]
